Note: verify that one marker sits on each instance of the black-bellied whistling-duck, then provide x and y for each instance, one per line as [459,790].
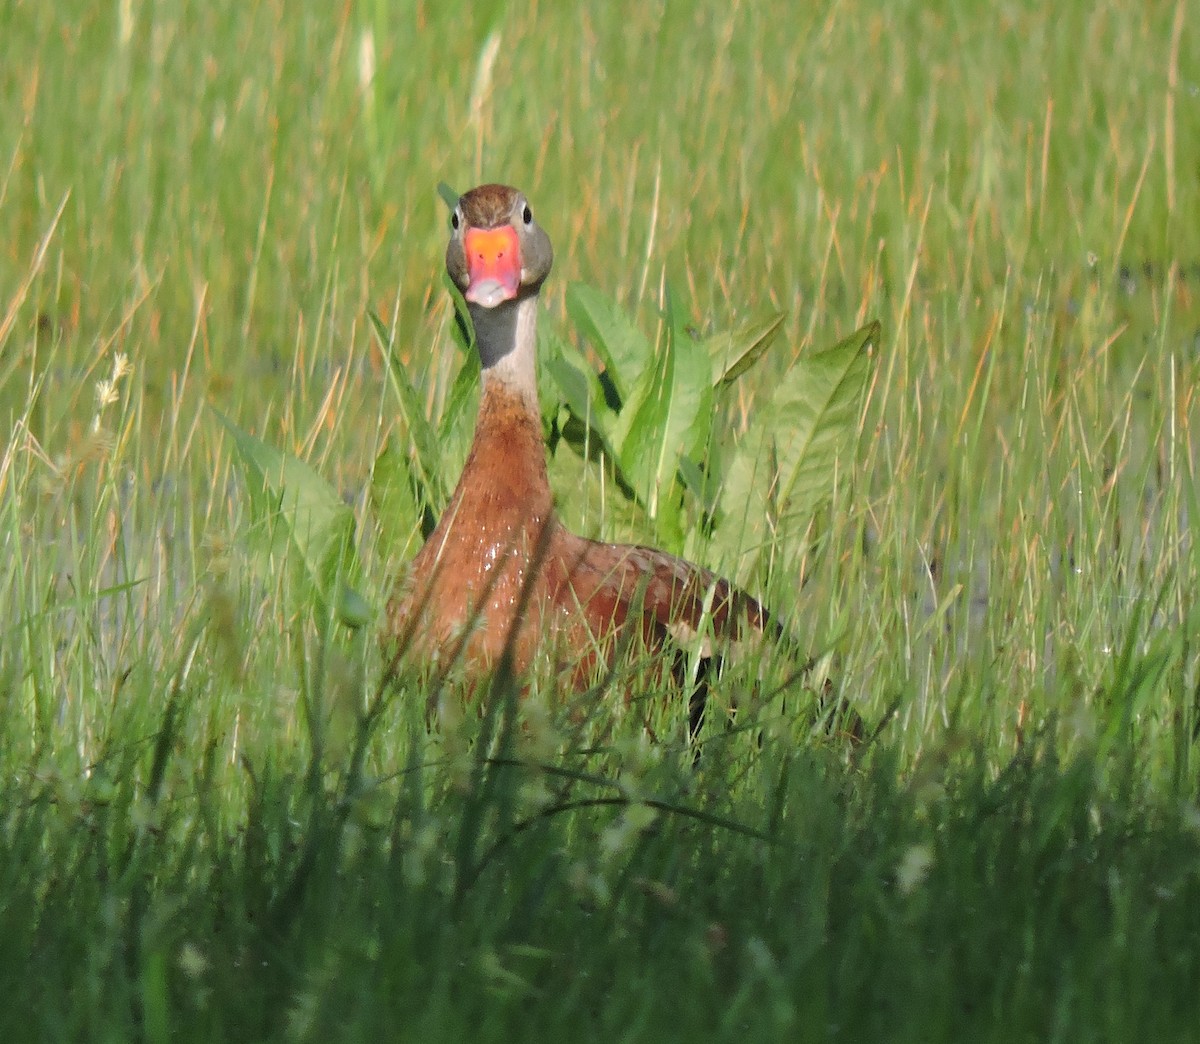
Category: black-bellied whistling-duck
[499,570]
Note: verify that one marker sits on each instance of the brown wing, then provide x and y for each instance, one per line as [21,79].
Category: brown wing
[612,583]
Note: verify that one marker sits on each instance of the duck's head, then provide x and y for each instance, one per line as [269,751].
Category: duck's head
[497,251]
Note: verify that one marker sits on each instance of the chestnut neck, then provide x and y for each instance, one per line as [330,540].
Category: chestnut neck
[505,481]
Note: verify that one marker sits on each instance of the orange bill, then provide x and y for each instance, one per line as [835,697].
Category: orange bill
[493,265]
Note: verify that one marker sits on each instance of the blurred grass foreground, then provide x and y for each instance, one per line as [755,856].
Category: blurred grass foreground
[216,824]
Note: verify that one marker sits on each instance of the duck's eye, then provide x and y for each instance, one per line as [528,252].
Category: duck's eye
[527,215]
[454,221]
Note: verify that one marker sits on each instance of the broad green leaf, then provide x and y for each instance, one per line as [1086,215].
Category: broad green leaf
[449,196]
[784,467]
[292,503]
[815,413]
[396,500]
[745,497]
[589,420]
[670,414]
[638,431]
[565,380]
[425,441]
[457,415]
[463,330]
[699,483]
[733,352]
[622,347]
[691,417]
[574,386]
[587,502]
[457,422]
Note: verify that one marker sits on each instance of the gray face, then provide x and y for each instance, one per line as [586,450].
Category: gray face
[497,252]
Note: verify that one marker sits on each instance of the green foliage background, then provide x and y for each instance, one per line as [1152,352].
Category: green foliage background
[210,828]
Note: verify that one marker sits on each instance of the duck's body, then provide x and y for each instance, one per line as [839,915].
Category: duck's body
[500,572]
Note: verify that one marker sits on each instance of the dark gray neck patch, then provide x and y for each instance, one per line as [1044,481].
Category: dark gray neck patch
[495,330]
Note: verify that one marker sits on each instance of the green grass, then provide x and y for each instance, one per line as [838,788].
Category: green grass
[211,828]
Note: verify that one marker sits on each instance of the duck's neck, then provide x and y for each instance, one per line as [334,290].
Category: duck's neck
[506,337]
[506,470]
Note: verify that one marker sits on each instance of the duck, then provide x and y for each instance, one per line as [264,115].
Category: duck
[500,579]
